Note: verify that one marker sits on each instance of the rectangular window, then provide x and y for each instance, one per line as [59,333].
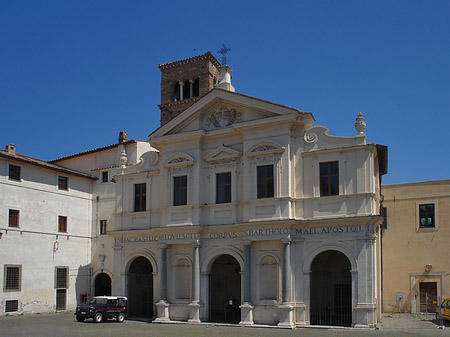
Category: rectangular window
[329,178]
[12,278]
[14,172]
[140,197]
[426,214]
[61,274]
[384,215]
[180,190]
[223,187]
[11,305]
[265,181]
[103,224]
[105,177]
[63,183]
[13,218]
[62,224]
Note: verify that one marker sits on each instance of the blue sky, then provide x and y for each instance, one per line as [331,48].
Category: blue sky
[75,73]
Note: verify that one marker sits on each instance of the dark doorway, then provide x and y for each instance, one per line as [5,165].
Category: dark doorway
[428,297]
[225,290]
[102,285]
[331,290]
[140,288]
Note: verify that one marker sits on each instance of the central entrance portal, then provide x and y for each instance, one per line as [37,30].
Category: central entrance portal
[140,288]
[331,290]
[225,290]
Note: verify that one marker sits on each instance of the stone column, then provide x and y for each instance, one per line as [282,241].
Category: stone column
[162,307]
[286,308]
[181,90]
[246,307]
[194,306]
[191,88]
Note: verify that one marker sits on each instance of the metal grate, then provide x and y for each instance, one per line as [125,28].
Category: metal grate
[61,278]
[11,305]
[12,278]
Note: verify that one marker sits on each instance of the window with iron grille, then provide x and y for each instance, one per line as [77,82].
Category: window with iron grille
[11,305]
[62,224]
[140,197]
[13,218]
[265,181]
[426,214]
[103,224]
[223,187]
[63,183]
[61,274]
[329,178]
[14,172]
[12,278]
[180,190]
[104,176]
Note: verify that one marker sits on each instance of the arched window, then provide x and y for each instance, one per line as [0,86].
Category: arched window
[196,87]
[176,92]
[187,90]
[268,280]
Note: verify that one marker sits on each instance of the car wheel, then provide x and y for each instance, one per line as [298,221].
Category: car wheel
[121,318]
[80,318]
[98,317]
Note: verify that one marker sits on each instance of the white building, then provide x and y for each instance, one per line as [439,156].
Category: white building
[237,210]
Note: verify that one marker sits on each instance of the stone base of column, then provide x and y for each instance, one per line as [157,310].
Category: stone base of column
[246,314]
[162,312]
[194,312]
[286,311]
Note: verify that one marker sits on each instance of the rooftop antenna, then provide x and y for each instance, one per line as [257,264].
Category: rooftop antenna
[223,51]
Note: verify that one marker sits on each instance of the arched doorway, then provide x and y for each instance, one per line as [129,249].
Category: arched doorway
[140,288]
[225,290]
[102,285]
[331,290]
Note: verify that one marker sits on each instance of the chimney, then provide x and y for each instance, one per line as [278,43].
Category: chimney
[225,78]
[10,148]
[123,137]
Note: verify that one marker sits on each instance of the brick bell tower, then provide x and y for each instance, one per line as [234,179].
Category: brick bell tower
[185,82]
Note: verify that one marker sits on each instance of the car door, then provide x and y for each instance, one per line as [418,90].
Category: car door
[446,311]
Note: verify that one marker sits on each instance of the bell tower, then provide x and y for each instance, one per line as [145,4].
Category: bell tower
[185,82]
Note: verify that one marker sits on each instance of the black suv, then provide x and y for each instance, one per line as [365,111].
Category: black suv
[103,307]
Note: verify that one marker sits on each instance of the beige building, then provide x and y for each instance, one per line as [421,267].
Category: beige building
[415,245]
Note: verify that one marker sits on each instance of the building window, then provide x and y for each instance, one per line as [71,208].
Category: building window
[12,278]
[105,177]
[103,224]
[13,218]
[265,181]
[140,197]
[11,305]
[329,178]
[384,215]
[14,172]
[63,183]
[62,224]
[180,190]
[426,215]
[223,187]
[61,285]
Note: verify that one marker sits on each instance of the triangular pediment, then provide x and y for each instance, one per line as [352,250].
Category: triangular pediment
[221,109]
[222,152]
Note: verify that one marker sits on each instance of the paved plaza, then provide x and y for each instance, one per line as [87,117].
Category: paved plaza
[64,324]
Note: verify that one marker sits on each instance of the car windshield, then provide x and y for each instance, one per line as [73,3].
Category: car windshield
[98,301]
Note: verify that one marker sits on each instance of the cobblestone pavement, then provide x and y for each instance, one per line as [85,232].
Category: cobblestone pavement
[64,324]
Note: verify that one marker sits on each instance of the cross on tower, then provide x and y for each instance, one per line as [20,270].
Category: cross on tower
[224,50]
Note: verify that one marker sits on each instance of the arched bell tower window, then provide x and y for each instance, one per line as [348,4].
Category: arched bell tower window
[196,87]
[176,91]
[186,89]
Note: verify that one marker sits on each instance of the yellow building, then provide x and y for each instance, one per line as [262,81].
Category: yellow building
[415,246]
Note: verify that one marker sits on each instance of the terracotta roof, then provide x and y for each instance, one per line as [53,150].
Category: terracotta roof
[207,55]
[41,163]
[104,148]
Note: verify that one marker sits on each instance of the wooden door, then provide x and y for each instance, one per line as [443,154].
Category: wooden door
[428,296]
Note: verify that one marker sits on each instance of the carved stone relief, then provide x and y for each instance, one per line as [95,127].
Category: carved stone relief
[224,117]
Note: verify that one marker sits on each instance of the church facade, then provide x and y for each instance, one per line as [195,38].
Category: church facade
[237,210]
